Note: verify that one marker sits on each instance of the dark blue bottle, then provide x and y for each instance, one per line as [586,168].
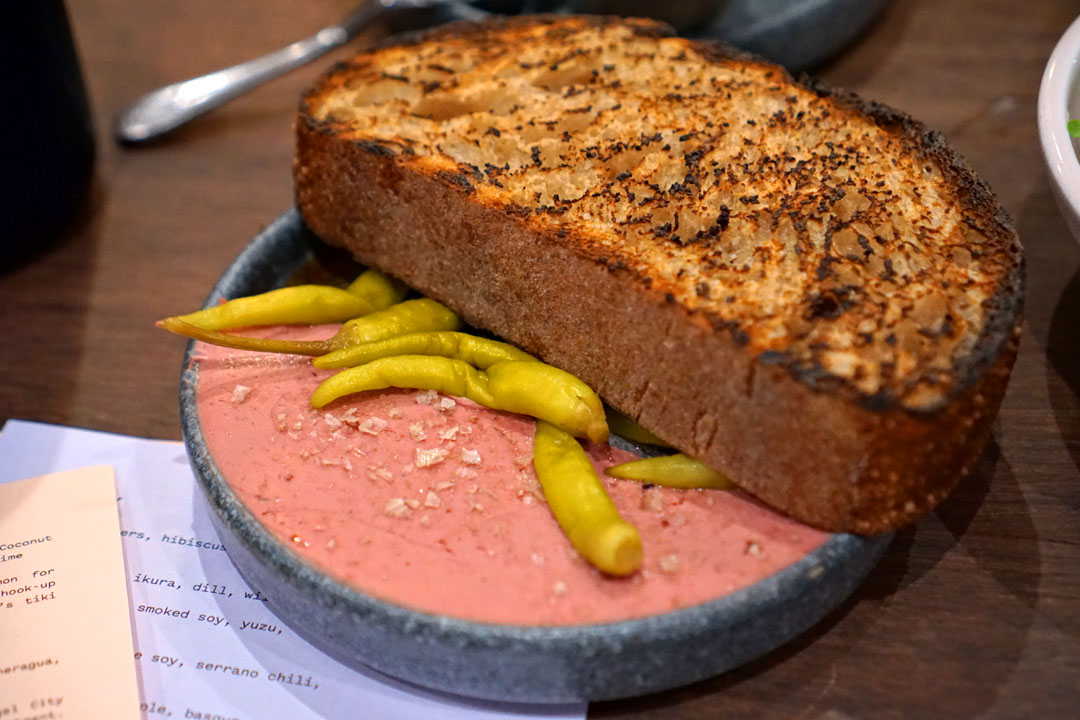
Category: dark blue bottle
[46,135]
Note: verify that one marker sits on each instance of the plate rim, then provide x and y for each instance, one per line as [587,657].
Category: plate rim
[287,240]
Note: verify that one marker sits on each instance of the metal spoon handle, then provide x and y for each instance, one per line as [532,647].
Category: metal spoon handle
[173,105]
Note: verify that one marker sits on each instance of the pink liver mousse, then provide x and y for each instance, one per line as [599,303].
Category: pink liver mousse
[431,502]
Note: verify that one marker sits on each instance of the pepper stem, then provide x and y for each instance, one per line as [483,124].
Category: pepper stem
[239,342]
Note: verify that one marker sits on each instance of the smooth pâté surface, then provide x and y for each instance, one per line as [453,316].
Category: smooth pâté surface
[839,237]
[432,503]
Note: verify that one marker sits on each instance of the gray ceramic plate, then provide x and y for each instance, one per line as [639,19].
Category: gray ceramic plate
[501,662]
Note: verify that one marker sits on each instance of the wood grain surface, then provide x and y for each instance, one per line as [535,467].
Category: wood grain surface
[972,613]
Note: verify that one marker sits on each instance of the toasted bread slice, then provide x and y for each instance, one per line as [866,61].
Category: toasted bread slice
[810,293]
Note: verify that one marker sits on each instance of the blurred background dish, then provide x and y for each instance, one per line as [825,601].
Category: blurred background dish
[1059,100]
[798,34]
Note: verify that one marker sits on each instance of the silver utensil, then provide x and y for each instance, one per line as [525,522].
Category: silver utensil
[170,107]
[167,108]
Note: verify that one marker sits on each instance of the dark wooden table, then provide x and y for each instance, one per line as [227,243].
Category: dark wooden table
[974,612]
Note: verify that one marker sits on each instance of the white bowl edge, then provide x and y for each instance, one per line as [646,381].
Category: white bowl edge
[1058,80]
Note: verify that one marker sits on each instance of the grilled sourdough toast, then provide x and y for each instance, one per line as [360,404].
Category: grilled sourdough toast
[808,292]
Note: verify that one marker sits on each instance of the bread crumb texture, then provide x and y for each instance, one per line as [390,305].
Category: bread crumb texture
[819,237]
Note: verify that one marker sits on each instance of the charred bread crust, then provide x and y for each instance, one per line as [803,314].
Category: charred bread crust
[800,439]
[975,196]
[980,206]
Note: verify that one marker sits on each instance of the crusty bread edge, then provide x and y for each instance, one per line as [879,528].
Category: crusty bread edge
[801,446]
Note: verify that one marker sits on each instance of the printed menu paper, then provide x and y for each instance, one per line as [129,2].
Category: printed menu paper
[63,600]
[205,643]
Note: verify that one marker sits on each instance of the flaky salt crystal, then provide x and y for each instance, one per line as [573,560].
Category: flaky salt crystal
[669,563]
[240,393]
[396,507]
[470,457]
[426,458]
[372,425]
[416,430]
[651,500]
[432,500]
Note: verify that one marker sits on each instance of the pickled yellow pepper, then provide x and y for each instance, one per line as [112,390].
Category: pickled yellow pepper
[581,505]
[548,393]
[378,290]
[410,316]
[479,352]
[530,388]
[677,471]
[623,426]
[301,304]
